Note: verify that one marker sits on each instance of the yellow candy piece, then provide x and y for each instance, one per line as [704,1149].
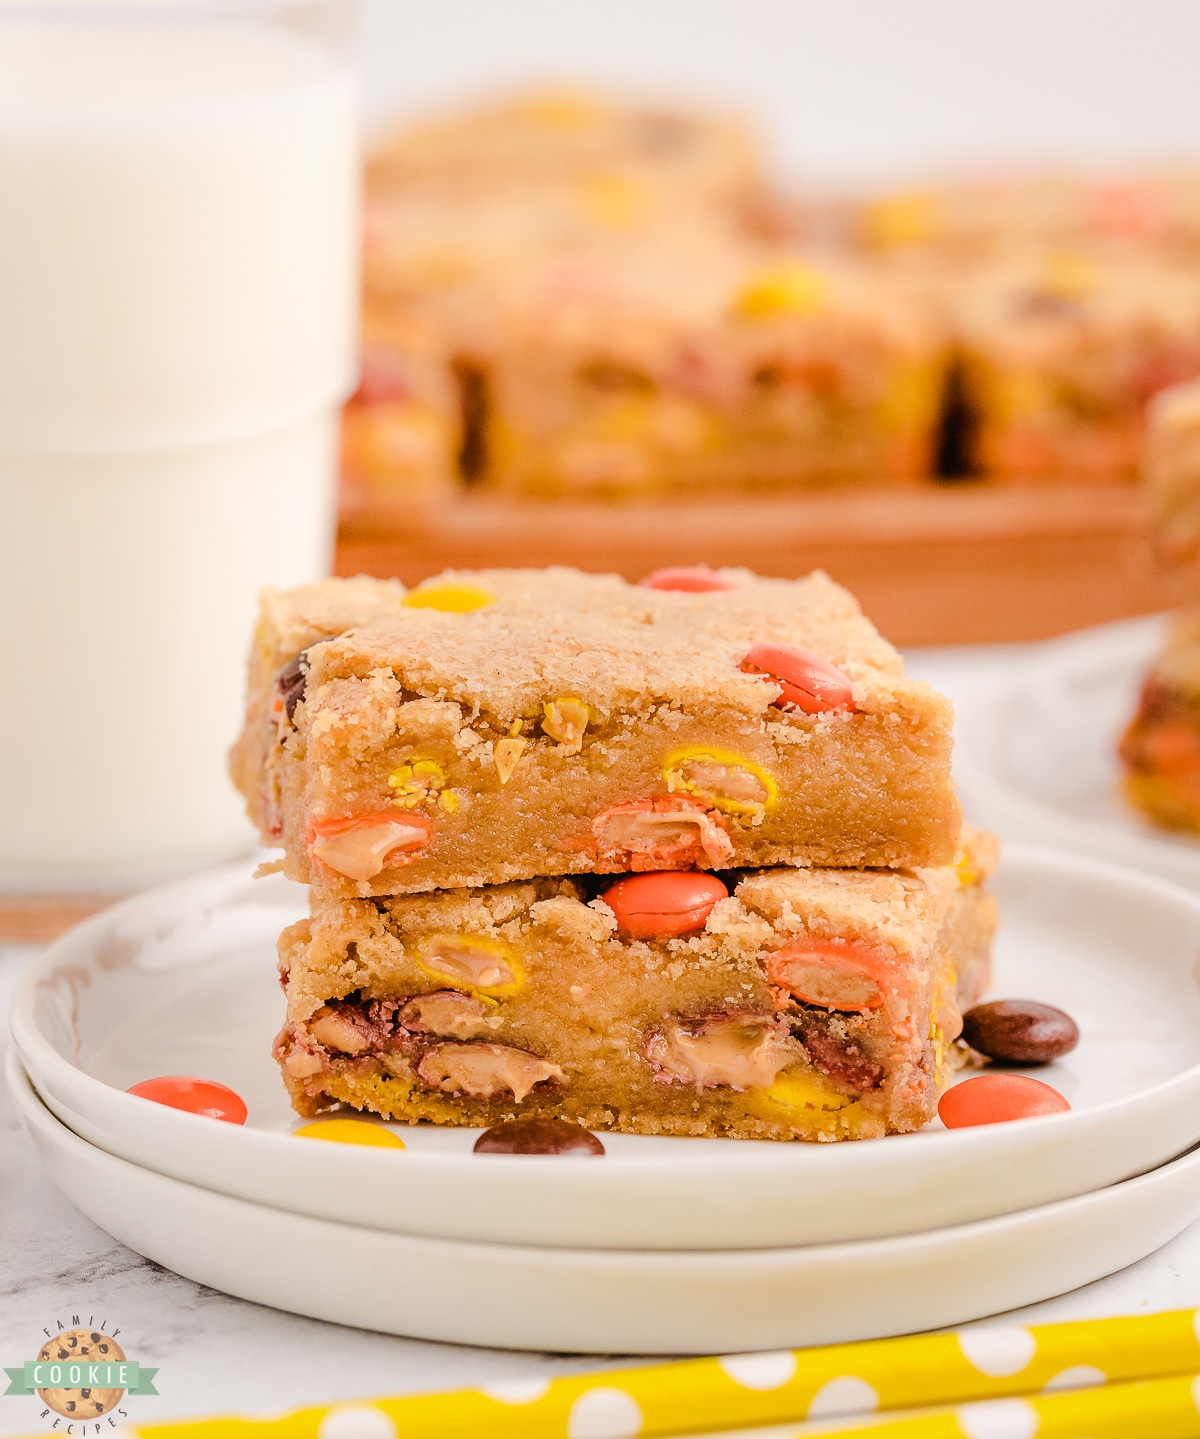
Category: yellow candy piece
[965,870]
[418,780]
[1071,276]
[565,720]
[722,779]
[790,289]
[1163,799]
[941,1049]
[913,218]
[806,1091]
[505,754]
[473,963]
[945,1017]
[564,110]
[350,1131]
[451,599]
[618,201]
[911,395]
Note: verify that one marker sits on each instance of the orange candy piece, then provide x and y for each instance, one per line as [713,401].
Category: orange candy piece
[833,973]
[196,1096]
[363,845]
[997,1098]
[668,831]
[663,904]
[807,682]
[690,579]
[327,828]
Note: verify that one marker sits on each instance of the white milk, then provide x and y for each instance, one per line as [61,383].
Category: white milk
[178,286]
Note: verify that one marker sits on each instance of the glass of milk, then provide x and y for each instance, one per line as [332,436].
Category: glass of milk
[178,305]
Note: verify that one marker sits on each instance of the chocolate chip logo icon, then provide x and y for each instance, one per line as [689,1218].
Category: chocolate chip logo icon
[80,1348]
[81,1374]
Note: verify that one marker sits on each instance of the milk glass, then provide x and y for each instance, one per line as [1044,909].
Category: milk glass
[178,287]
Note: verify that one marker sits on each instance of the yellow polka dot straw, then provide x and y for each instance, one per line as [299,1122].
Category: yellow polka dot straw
[986,1363]
[1151,1409]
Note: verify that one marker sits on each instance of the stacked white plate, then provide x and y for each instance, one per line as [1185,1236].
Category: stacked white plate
[661,1246]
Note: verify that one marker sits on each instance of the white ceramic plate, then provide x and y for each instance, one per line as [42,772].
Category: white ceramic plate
[615,1301]
[1035,751]
[182,980]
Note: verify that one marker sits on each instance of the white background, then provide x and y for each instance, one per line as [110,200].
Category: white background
[848,89]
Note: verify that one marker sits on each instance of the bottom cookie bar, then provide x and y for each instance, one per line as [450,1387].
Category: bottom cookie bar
[786,1004]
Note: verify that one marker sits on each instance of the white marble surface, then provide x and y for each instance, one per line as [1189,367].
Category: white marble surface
[55,1263]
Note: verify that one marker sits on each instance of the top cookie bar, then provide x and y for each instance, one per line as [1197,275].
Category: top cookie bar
[501,724]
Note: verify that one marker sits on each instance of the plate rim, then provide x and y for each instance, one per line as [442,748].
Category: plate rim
[1140,848]
[28,1100]
[30,1042]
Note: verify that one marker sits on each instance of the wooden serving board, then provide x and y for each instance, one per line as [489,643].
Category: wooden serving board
[931,564]
[39,918]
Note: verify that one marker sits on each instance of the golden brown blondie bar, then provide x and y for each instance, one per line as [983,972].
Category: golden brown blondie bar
[563,137]
[502,724]
[684,369]
[1171,481]
[778,1004]
[400,428]
[288,622]
[981,219]
[1060,354]
[1160,750]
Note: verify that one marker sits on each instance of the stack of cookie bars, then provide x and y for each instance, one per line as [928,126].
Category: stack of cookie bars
[679,858]
[1160,748]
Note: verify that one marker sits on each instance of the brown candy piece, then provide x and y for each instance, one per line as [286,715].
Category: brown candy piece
[293,677]
[1020,1031]
[537,1136]
[290,683]
[833,1051]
